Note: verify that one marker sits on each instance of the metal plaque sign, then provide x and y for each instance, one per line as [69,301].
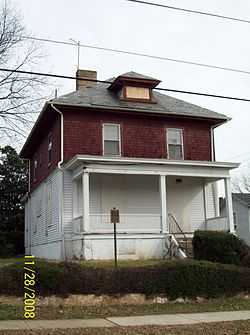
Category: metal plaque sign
[114,215]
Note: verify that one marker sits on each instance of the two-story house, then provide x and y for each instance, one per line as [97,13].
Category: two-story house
[121,144]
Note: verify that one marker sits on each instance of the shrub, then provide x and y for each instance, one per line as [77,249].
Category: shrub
[11,243]
[219,247]
[186,278]
[246,260]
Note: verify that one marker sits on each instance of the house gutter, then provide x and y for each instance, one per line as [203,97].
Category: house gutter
[59,164]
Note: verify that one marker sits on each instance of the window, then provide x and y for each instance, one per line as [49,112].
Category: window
[175,143]
[111,139]
[49,149]
[235,220]
[140,93]
[35,170]
[40,159]
[48,205]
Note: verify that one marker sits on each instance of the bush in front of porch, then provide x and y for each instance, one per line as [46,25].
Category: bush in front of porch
[186,278]
[222,247]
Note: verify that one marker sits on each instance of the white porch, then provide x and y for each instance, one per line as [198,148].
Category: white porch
[145,192]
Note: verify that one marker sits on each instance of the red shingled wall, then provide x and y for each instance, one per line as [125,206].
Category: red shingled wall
[41,153]
[141,135]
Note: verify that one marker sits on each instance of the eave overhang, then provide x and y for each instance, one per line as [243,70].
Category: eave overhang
[97,164]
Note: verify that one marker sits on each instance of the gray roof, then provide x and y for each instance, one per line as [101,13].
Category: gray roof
[243,197]
[135,75]
[100,97]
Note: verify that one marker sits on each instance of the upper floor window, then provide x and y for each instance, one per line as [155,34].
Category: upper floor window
[175,143]
[111,139]
[50,149]
[35,170]
[138,93]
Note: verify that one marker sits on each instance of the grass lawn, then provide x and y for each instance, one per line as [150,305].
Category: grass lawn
[93,264]
[222,328]
[10,260]
[124,263]
[14,312]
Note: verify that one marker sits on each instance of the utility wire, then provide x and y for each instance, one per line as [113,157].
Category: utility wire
[183,61]
[110,82]
[191,11]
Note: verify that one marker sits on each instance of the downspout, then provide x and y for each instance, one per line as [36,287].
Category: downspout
[59,164]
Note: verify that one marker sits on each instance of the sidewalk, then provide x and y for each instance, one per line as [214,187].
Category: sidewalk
[145,320]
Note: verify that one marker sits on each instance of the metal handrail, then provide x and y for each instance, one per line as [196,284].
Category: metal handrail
[170,215]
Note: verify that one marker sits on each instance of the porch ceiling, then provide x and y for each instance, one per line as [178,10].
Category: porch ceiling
[122,165]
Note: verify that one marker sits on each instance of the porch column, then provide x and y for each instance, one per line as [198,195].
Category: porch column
[85,199]
[205,203]
[164,212]
[229,204]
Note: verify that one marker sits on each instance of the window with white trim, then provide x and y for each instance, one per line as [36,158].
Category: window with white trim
[175,143]
[111,139]
[35,170]
[50,149]
[48,205]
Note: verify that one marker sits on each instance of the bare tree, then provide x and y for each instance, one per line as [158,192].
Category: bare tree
[241,182]
[20,94]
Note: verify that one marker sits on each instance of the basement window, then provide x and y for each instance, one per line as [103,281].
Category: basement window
[175,143]
[111,139]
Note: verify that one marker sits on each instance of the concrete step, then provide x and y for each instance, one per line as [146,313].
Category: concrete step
[186,246]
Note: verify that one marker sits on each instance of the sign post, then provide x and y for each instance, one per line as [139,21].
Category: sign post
[115,218]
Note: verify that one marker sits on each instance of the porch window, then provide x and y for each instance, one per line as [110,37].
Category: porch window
[111,139]
[175,143]
[49,149]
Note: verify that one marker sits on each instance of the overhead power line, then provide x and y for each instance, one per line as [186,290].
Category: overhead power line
[190,11]
[110,82]
[183,61]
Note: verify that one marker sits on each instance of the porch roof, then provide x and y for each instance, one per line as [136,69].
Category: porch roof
[97,164]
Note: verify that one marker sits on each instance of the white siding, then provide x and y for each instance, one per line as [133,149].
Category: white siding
[185,199]
[67,201]
[242,220]
[137,198]
[44,226]
[67,213]
[210,201]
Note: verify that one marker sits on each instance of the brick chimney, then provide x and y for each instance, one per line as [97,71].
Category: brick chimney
[86,74]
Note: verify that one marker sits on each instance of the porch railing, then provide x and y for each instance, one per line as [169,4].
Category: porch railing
[176,231]
[143,223]
[219,223]
[128,223]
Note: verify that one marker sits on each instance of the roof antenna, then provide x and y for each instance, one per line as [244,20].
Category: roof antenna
[77,43]
[56,93]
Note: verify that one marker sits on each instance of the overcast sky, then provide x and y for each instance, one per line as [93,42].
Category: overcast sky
[158,31]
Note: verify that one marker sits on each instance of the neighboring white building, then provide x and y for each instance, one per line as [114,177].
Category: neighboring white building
[241,213]
[126,146]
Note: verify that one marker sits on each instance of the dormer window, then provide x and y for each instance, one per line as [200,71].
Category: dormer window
[132,86]
[138,93]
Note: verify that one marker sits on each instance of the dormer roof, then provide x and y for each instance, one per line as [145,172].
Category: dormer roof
[134,79]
